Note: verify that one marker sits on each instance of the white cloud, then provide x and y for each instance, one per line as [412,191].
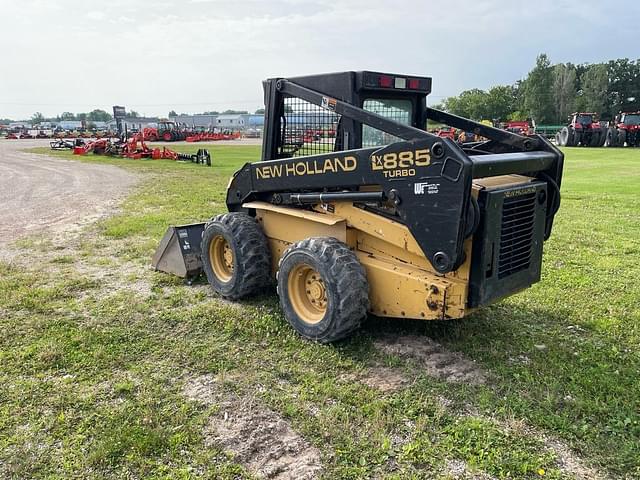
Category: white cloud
[95,15]
[212,54]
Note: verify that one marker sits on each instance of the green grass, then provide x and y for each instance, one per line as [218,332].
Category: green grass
[91,376]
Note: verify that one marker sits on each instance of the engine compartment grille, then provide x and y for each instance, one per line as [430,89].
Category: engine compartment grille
[516,235]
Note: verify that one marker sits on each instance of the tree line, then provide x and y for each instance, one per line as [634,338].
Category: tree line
[96,115]
[550,93]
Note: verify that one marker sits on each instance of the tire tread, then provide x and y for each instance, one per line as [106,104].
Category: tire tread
[253,258]
[350,279]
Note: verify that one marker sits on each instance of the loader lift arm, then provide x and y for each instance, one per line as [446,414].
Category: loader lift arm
[426,178]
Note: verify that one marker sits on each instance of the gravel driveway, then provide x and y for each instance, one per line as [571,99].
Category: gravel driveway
[40,193]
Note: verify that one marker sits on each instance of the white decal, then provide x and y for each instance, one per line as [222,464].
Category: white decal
[426,187]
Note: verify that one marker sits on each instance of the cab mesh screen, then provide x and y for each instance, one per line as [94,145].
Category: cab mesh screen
[306,129]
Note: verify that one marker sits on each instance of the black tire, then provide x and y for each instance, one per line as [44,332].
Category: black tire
[612,138]
[558,139]
[566,137]
[251,258]
[342,281]
[594,141]
[603,136]
[577,138]
[622,138]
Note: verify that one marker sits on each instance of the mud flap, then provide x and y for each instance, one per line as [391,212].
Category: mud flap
[179,251]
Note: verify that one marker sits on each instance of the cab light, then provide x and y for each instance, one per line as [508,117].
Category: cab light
[385,81]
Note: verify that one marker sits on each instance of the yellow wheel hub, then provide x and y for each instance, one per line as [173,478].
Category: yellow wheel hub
[221,258]
[307,293]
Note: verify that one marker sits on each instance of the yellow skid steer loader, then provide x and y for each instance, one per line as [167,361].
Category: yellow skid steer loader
[355,208]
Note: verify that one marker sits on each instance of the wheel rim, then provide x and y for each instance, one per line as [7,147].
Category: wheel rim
[307,293]
[221,258]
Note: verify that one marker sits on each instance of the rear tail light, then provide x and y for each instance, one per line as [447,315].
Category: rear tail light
[414,83]
[385,81]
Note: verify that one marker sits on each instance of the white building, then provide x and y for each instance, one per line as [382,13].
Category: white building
[234,121]
[196,121]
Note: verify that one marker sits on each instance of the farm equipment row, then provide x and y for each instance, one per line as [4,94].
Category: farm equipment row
[133,147]
[173,132]
[212,136]
[29,134]
[585,130]
[624,130]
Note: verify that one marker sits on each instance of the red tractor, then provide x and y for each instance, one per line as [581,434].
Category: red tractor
[625,130]
[446,132]
[520,127]
[584,129]
[166,131]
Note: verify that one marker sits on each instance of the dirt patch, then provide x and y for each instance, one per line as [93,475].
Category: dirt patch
[41,193]
[437,361]
[259,438]
[459,470]
[385,379]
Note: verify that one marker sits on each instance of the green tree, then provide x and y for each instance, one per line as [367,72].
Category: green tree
[470,104]
[517,116]
[260,111]
[98,115]
[624,85]
[172,113]
[36,118]
[500,102]
[594,84]
[538,100]
[67,116]
[133,114]
[564,90]
[233,112]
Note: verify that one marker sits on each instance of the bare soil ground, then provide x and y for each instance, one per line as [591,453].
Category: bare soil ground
[40,193]
[259,438]
[434,358]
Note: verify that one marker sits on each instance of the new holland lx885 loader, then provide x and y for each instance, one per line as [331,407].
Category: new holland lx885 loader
[370,213]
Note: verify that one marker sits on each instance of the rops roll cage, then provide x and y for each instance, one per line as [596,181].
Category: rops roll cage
[440,220]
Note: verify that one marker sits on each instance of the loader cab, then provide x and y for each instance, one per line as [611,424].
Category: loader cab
[171,126]
[294,127]
[629,119]
[583,119]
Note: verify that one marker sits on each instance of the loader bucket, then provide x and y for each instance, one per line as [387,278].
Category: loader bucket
[179,251]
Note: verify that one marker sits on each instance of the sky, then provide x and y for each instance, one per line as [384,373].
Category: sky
[154,56]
